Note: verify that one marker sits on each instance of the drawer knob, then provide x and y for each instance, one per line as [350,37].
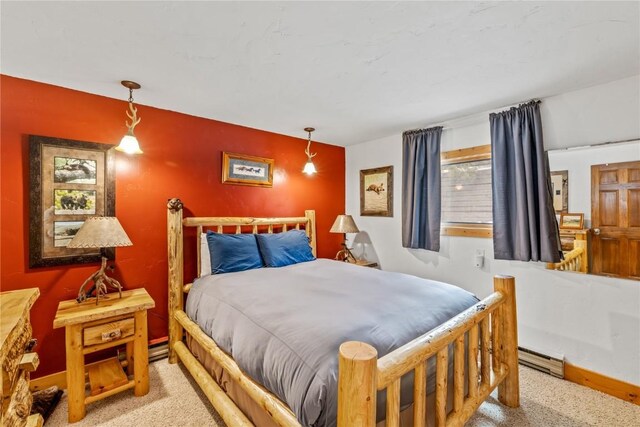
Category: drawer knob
[111,335]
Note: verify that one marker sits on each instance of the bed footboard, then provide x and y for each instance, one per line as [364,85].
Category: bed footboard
[492,333]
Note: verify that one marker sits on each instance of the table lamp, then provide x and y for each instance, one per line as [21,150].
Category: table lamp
[100,232]
[345,224]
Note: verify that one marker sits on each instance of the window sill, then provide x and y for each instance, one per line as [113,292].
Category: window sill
[467,230]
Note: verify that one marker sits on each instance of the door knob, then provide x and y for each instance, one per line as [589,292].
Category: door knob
[596,231]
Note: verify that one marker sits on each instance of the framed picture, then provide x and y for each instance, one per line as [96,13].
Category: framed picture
[241,169]
[560,187]
[376,191]
[69,182]
[571,220]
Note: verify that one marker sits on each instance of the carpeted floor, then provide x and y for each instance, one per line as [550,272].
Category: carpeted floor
[175,400]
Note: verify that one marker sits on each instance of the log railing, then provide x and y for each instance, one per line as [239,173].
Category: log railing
[491,331]
[574,260]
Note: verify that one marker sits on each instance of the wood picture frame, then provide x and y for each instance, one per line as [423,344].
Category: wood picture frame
[69,182]
[571,221]
[242,169]
[376,191]
[560,188]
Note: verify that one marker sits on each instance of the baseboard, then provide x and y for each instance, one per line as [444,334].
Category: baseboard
[156,352]
[608,385]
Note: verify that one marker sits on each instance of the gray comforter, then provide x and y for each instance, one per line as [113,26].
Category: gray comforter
[283,326]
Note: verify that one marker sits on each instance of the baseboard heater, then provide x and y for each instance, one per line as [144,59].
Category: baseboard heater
[158,351]
[541,362]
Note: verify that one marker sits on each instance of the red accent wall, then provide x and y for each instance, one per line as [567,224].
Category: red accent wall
[182,158]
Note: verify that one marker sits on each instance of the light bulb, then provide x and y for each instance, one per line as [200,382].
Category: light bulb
[129,144]
[309,168]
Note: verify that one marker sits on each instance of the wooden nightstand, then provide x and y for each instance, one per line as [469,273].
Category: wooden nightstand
[90,328]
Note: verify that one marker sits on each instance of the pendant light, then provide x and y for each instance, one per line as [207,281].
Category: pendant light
[309,167]
[129,143]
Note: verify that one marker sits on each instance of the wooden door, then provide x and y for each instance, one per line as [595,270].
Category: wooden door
[615,219]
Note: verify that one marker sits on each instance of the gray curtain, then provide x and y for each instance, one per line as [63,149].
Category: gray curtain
[421,189]
[524,221]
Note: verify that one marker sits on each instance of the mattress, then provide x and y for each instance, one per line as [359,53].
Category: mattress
[283,326]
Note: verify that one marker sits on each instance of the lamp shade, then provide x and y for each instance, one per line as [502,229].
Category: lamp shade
[309,168]
[100,232]
[129,144]
[344,224]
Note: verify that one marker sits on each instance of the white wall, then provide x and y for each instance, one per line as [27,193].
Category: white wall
[594,322]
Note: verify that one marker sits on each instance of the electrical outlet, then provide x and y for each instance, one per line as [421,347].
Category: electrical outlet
[478,260]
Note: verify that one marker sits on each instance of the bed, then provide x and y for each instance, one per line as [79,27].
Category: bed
[453,364]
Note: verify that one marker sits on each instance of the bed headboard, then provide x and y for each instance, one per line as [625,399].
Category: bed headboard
[175,246]
[237,225]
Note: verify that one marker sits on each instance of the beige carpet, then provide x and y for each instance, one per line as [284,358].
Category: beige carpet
[175,400]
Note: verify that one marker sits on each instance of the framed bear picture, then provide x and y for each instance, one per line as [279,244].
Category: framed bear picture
[376,191]
[69,182]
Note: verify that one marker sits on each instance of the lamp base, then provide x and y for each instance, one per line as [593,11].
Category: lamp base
[345,254]
[100,282]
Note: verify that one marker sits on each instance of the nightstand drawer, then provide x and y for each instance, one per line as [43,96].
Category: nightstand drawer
[106,332]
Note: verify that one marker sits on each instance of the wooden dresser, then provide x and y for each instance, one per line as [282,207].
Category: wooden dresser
[16,359]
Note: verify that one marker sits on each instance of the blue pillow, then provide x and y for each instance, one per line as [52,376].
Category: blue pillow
[233,252]
[282,249]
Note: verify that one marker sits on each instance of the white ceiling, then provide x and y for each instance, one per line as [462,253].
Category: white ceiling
[354,70]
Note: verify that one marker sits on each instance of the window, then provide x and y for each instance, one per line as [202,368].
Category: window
[466,192]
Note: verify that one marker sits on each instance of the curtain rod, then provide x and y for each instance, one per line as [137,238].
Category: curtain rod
[444,125]
[599,144]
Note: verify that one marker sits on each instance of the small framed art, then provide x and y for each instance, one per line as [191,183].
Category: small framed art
[560,187]
[376,191]
[69,182]
[571,220]
[241,169]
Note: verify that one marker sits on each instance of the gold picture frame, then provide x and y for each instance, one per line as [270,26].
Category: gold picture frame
[376,192]
[571,221]
[69,182]
[242,169]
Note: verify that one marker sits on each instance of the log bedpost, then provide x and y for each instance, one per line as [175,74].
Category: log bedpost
[584,256]
[311,230]
[509,389]
[176,272]
[357,384]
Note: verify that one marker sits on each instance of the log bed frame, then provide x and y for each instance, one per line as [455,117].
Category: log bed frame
[490,326]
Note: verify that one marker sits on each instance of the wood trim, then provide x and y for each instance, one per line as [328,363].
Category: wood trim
[463,155]
[611,386]
[467,230]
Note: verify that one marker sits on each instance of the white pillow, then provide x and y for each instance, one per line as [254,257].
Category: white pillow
[205,257]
